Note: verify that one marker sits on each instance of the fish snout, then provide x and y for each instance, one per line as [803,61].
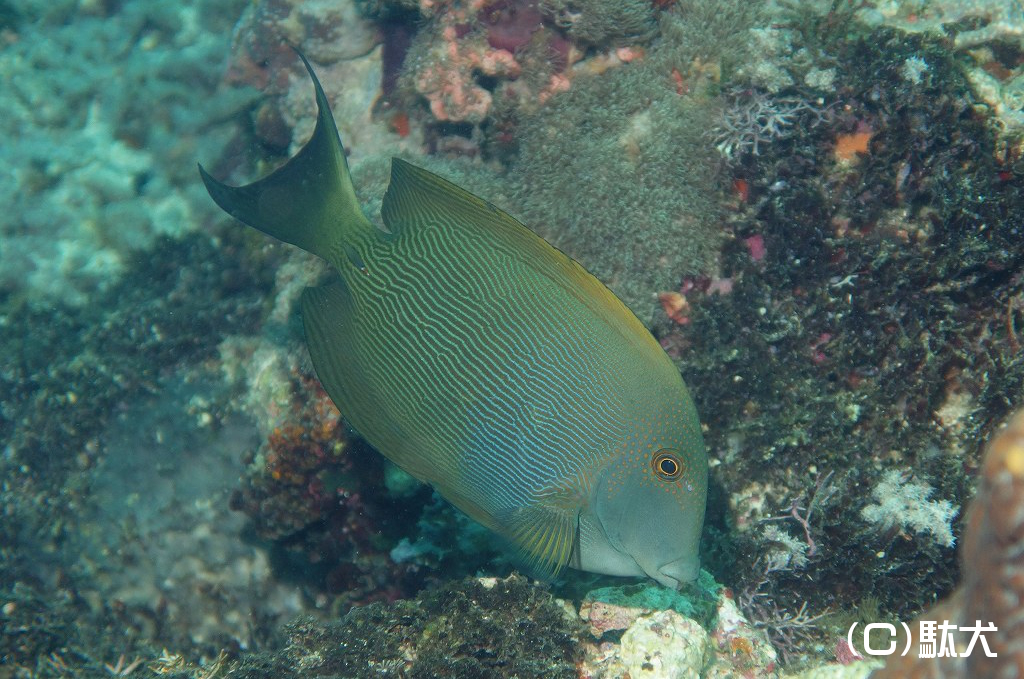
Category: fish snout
[677,573]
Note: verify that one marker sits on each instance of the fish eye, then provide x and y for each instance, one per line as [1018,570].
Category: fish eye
[667,465]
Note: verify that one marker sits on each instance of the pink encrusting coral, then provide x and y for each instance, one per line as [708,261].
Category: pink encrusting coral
[511,24]
[469,54]
[449,81]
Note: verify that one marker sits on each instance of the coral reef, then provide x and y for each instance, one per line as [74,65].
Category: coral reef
[476,65]
[327,33]
[479,80]
[971,22]
[603,22]
[447,77]
[107,412]
[869,326]
[286,490]
[102,132]
[618,171]
[848,316]
[649,632]
[42,635]
[662,644]
[794,303]
[990,33]
[317,498]
[992,586]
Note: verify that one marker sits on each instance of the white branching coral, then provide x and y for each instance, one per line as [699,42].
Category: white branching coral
[753,119]
[904,503]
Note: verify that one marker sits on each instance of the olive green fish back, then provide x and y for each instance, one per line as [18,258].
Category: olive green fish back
[465,348]
[449,351]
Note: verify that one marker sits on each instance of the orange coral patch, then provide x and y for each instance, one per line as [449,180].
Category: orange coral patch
[849,147]
[400,124]
[676,307]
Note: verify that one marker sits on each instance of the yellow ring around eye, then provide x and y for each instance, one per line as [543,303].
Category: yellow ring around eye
[667,465]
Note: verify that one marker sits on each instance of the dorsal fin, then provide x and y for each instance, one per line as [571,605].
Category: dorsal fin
[417,198]
[416,195]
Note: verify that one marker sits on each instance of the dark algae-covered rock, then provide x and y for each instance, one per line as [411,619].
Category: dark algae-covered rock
[473,628]
[867,340]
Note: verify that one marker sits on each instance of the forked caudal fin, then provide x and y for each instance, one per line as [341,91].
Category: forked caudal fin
[309,201]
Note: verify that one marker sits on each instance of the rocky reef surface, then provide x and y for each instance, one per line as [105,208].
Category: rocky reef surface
[816,206]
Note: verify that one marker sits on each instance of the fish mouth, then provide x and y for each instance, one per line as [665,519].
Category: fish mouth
[676,573]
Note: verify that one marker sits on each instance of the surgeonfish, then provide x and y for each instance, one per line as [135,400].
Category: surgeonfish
[487,363]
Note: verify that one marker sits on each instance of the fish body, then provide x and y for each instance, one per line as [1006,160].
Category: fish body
[487,363]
